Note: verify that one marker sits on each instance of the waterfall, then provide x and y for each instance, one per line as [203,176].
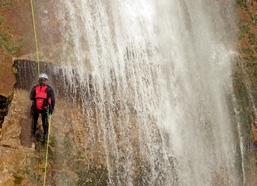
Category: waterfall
[153,78]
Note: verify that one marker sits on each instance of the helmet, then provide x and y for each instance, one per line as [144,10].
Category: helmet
[43,76]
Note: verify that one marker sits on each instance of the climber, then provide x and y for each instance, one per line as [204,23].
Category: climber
[43,101]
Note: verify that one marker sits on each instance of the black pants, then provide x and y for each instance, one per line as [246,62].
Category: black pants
[44,115]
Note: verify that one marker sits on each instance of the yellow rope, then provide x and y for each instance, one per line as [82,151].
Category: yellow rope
[35,34]
[38,72]
[47,147]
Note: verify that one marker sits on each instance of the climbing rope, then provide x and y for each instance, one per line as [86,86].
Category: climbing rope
[38,72]
[35,35]
[47,147]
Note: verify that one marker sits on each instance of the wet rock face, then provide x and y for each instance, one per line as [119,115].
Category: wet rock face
[245,82]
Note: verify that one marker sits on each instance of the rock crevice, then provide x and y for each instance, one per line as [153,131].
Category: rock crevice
[4,103]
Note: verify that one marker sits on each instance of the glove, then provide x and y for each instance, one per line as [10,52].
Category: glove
[51,110]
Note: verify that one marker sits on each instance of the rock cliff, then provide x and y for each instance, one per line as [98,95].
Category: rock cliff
[21,165]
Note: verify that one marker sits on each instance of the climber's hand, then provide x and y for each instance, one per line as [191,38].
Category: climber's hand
[51,110]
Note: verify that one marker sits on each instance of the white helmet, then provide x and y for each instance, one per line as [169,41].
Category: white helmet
[43,76]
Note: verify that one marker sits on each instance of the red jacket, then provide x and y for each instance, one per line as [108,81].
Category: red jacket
[43,97]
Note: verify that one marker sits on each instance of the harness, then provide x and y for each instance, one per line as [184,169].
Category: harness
[41,97]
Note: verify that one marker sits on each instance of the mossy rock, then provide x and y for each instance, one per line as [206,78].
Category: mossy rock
[252,38]
[244,29]
[6,4]
[1,20]
[9,44]
[242,3]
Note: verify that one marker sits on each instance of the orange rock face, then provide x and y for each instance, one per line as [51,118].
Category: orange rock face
[15,29]
[7,77]
[16,24]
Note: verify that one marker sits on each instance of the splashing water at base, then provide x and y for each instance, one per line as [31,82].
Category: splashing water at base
[153,79]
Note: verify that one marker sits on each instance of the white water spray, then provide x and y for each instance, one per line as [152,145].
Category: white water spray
[156,76]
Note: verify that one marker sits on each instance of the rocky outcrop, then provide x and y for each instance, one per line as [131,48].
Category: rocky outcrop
[15,36]
[7,80]
[15,159]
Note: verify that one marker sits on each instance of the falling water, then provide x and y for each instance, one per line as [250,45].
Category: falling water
[153,79]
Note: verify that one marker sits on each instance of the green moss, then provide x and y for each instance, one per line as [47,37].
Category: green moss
[6,4]
[244,29]
[241,3]
[247,51]
[254,60]
[9,44]
[252,39]
[1,19]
